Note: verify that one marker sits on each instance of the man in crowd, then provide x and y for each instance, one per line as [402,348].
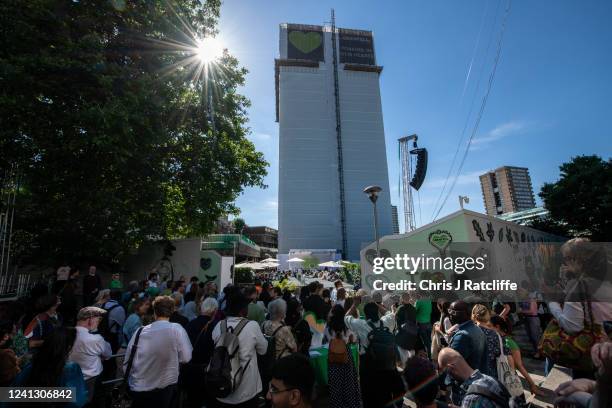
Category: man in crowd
[292,383]
[92,284]
[116,318]
[153,278]
[251,343]
[193,281]
[90,349]
[423,308]
[469,341]
[422,381]
[378,386]
[476,390]
[162,346]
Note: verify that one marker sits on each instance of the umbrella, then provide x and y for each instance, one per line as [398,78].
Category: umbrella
[244,265]
[269,260]
[299,260]
[329,264]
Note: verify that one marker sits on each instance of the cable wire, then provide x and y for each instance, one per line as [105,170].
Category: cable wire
[482,105]
[467,119]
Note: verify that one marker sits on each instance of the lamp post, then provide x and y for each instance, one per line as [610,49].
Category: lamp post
[372,192]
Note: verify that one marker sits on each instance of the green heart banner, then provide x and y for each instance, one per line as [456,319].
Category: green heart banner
[305,43]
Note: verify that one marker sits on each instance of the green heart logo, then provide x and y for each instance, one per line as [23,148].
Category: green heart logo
[305,42]
[440,240]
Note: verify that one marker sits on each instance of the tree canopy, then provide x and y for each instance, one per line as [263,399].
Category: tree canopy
[239,225]
[581,200]
[103,109]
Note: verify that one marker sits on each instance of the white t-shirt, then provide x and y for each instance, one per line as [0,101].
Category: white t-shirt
[361,328]
[252,342]
[88,352]
[161,348]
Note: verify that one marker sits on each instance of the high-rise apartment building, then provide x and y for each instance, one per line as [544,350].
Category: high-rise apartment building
[394,219]
[507,189]
[331,139]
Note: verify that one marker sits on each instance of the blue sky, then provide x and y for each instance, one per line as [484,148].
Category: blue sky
[551,98]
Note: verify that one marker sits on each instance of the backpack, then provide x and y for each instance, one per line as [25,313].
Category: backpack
[381,351]
[337,353]
[266,361]
[105,328]
[224,372]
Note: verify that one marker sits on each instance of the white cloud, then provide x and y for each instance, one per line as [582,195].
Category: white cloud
[270,205]
[497,133]
[264,137]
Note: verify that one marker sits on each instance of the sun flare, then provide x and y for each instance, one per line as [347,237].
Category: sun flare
[208,49]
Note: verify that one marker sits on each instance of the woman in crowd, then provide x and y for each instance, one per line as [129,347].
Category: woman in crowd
[515,358]
[275,327]
[102,298]
[343,380]
[481,316]
[134,321]
[190,311]
[44,322]
[583,274]
[50,366]
[340,297]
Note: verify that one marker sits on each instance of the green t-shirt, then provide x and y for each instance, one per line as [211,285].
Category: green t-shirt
[423,310]
[116,284]
[510,343]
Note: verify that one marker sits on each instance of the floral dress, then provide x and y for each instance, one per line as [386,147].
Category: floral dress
[493,351]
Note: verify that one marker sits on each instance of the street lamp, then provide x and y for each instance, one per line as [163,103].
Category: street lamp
[462,200]
[372,192]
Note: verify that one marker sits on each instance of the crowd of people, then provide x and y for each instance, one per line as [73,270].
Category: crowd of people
[185,343]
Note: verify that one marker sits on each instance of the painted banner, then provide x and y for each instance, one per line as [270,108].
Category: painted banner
[356,47]
[305,42]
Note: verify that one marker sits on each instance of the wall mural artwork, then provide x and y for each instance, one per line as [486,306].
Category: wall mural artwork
[508,236]
[371,254]
[440,239]
[478,230]
[205,264]
[490,231]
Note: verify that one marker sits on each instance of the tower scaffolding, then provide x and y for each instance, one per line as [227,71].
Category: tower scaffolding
[406,171]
